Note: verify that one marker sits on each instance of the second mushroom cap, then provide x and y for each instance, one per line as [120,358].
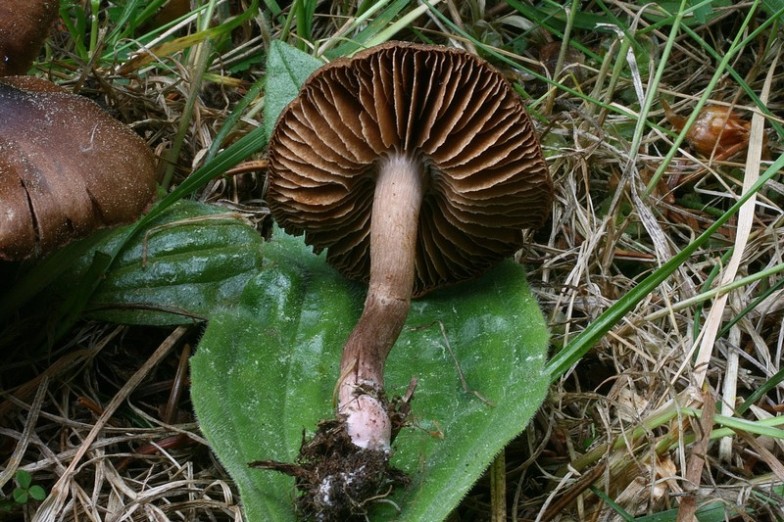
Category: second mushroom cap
[66,168]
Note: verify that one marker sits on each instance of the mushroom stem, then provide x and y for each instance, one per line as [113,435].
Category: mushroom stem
[393,235]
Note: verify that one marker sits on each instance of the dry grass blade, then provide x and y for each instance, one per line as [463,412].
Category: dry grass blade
[688,507]
[32,418]
[745,221]
[63,364]
[55,502]
[765,454]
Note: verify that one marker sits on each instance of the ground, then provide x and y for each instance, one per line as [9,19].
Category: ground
[622,432]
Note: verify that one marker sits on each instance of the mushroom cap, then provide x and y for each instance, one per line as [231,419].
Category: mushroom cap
[443,108]
[66,168]
[24,25]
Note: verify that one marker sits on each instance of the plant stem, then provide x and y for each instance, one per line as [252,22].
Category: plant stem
[498,488]
[393,236]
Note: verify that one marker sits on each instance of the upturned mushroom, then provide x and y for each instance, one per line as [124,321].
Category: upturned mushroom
[66,168]
[415,167]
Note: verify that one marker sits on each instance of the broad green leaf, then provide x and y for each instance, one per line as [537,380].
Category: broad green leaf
[23,288]
[265,371]
[287,70]
[189,261]
[773,7]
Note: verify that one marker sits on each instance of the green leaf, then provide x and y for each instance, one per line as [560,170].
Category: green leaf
[699,12]
[37,493]
[44,272]
[23,478]
[287,70]
[265,371]
[370,30]
[773,7]
[21,496]
[192,259]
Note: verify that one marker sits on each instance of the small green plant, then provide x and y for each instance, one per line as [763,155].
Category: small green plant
[24,492]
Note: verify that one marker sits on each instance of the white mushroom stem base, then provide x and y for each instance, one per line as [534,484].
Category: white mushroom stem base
[393,235]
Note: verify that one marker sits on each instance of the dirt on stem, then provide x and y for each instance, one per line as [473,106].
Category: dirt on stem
[335,479]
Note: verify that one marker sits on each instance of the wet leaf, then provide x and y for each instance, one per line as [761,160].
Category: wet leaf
[193,259]
[266,368]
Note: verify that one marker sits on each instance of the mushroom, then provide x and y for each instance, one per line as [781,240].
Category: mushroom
[66,168]
[414,167]
[24,25]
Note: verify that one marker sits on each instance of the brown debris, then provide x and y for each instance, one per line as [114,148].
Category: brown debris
[718,131]
[336,480]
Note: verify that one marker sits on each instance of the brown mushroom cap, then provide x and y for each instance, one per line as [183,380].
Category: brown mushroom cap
[24,25]
[445,109]
[66,168]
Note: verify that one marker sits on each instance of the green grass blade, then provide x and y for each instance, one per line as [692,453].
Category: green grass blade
[572,353]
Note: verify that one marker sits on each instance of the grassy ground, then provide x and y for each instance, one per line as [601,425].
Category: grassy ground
[644,235]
